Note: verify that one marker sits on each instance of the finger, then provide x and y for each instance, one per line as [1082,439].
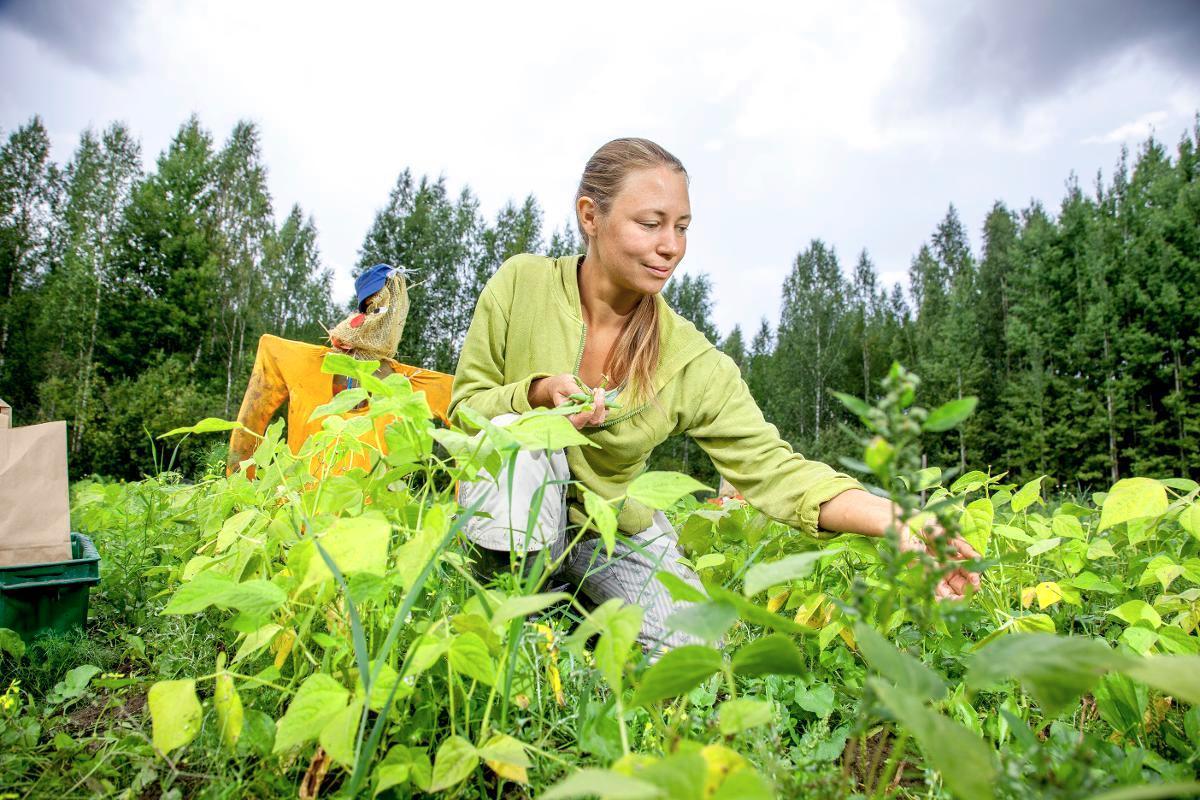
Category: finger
[958,583]
[941,591]
[598,412]
[965,549]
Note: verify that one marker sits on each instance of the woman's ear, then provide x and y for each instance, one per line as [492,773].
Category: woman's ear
[587,211]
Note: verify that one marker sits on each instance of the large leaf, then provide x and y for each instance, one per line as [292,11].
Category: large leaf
[774,654]
[1132,498]
[605,783]
[175,713]
[456,760]
[1028,494]
[1055,670]
[661,490]
[525,605]
[547,432]
[1136,611]
[1178,676]
[255,598]
[317,701]
[356,544]
[677,672]
[906,672]
[506,757]
[469,656]
[707,621]
[209,425]
[603,517]
[965,761]
[773,573]
[339,733]
[950,415]
[743,714]
[757,614]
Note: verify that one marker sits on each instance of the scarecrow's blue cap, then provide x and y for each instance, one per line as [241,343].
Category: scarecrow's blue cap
[371,281]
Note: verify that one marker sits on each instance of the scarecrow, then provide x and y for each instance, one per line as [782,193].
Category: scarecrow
[290,372]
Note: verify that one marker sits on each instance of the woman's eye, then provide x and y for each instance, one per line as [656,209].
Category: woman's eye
[682,229]
[649,225]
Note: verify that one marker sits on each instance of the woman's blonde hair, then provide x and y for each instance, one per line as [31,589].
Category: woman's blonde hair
[635,354]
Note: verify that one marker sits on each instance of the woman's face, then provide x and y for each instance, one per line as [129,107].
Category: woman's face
[643,236]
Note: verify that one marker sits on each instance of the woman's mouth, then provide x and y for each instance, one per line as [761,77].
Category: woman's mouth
[662,272]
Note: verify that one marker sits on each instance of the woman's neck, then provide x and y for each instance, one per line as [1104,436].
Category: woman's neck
[605,304]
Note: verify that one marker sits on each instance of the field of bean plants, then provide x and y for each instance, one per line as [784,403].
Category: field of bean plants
[310,633]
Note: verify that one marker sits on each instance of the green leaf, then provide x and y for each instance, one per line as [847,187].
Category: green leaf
[743,714]
[906,672]
[469,656]
[1136,611]
[976,522]
[1015,534]
[317,701]
[604,783]
[1027,495]
[456,760]
[757,615]
[256,599]
[707,621]
[356,544]
[1066,526]
[1189,519]
[339,733]
[506,750]
[1132,498]
[547,432]
[950,415]
[11,643]
[1055,670]
[856,406]
[774,654]
[342,364]
[1150,791]
[175,713]
[603,517]
[680,590]
[763,576]
[677,672]
[965,761]
[1044,546]
[210,425]
[525,605]
[342,402]
[1100,548]
[256,641]
[1090,582]
[619,631]
[661,490]
[972,481]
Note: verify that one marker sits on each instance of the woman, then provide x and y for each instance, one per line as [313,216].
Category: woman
[540,323]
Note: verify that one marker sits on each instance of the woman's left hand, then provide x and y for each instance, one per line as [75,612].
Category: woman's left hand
[953,585]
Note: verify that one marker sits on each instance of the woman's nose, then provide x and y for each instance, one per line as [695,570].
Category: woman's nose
[670,243]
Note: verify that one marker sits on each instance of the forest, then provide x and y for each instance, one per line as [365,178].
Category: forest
[132,298]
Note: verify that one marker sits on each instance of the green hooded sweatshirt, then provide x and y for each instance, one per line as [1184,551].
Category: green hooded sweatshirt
[529,324]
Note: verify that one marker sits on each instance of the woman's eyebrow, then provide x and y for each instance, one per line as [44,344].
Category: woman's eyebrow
[661,213]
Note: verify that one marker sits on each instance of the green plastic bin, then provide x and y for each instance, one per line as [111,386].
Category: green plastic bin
[36,598]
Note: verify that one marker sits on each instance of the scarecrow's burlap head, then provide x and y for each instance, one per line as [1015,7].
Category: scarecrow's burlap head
[374,333]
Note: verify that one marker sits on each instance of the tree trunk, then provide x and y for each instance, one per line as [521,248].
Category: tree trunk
[1112,431]
[85,392]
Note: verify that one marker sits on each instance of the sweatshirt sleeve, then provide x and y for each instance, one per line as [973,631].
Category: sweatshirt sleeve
[479,379]
[749,452]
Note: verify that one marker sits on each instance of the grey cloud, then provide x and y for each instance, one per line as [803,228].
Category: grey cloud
[1013,52]
[90,34]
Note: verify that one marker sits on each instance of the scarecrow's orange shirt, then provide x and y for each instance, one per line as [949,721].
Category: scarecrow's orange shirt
[290,372]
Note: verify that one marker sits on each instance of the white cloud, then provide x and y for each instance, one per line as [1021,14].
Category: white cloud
[1135,130]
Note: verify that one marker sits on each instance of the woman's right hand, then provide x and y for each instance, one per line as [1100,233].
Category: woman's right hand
[556,390]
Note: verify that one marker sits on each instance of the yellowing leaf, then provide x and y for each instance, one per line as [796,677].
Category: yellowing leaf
[1133,498]
[174,713]
[1048,593]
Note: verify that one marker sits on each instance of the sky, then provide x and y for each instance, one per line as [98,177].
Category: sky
[855,123]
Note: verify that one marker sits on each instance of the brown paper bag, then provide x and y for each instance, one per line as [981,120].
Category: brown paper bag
[35,521]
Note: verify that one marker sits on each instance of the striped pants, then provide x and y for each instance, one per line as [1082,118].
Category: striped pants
[629,574]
